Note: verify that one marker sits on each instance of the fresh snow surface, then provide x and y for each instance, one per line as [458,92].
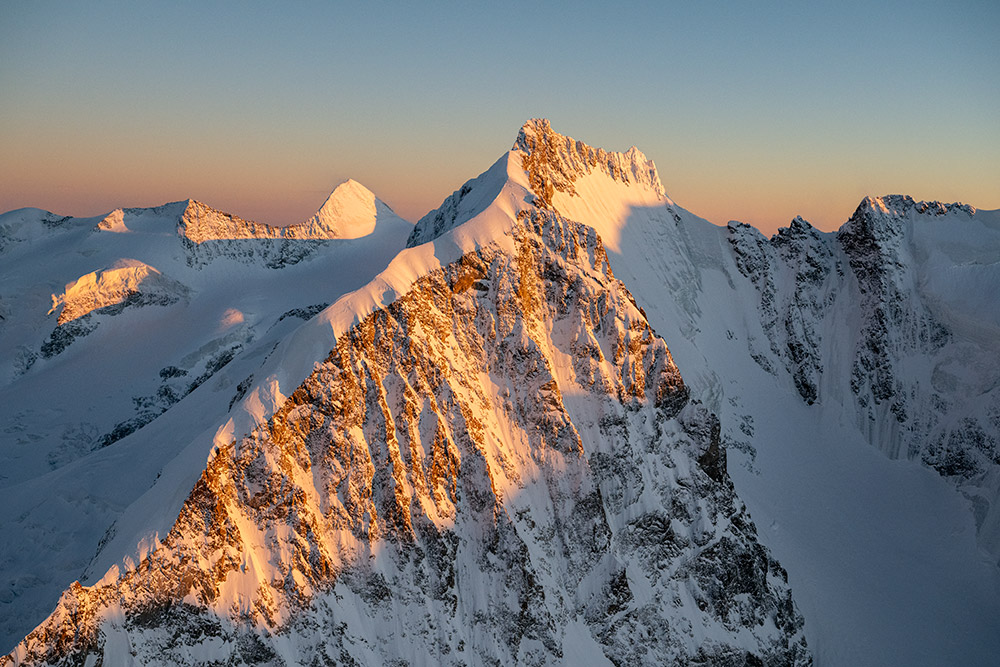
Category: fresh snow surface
[881,554]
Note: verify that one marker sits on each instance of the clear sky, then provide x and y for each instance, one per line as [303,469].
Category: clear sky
[751,111]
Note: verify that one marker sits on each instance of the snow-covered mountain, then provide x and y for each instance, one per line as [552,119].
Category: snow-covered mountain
[802,344]
[499,464]
[111,324]
[482,451]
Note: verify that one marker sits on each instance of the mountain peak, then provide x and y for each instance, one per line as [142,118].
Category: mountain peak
[880,220]
[900,205]
[548,170]
[530,131]
[554,162]
[348,190]
[348,213]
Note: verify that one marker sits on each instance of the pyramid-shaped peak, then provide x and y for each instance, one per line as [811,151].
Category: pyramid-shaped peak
[348,197]
[349,212]
[351,189]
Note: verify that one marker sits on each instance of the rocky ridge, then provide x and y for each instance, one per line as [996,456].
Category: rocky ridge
[551,163]
[351,211]
[554,162]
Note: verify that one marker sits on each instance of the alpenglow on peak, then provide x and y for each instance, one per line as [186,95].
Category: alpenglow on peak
[350,211]
[555,161]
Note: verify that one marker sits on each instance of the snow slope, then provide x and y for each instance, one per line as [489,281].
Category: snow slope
[109,328]
[489,459]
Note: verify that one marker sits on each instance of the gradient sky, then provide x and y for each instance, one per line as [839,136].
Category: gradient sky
[751,111]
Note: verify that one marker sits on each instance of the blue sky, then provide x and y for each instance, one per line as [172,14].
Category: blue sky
[751,112]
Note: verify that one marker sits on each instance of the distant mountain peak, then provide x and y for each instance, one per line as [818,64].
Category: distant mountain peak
[349,212]
[113,222]
[126,281]
[883,217]
[898,205]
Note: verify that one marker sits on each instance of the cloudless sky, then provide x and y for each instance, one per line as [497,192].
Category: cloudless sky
[751,111]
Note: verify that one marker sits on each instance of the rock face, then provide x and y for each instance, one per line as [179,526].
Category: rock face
[503,465]
[790,273]
[912,359]
[898,324]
